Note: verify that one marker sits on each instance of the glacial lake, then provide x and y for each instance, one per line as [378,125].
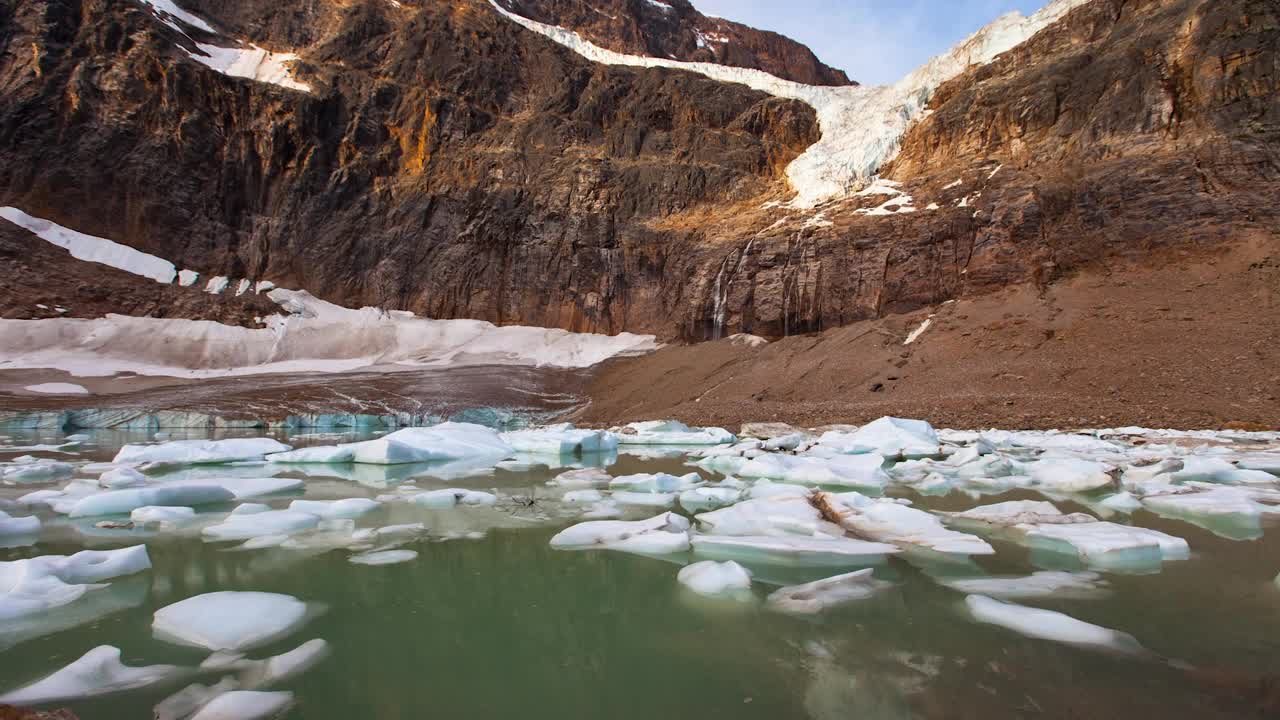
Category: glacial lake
[490,622]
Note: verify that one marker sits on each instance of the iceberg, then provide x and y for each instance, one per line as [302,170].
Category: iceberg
[560,440]
[13,526]
[890,522]
[1048,625]
[184,703]
[99,672]
[124,502]
[656,483]
[94,566]
[235,621]
[1196,468]
[662,534]
[119,478]
[702,499]
[336,509]
[864,471]
[1043,584]
[890,437]
[586,477]
[671,432]
[1232,512]
[815,597]
[643,499]
[1108,546]
[795,550]
[716,578]
[162,516]
[200,452]
[272,522]
[383,557]
[1018,512]
[245,705]
[447,441]
[1069,474]
[779,515]
[452,497]
[320,454]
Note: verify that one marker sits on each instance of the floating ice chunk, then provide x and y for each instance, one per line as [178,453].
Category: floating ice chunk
[448,441]
[587,477]
[119,478]
[1122,502]
[670,432]
[1048,625]
[656,483]
[242,488]
[392,532]
[184,703]
[1019,512]
[452,497]
[1069,474]
[31,587]
[781,515]
[890,437]
[384,557]
[583,496]
[274,522]
[644,499]
[799,550]
[198,452]
[1268,463]
[170,516]
[665,533]
[319,454]
[865,471]
[336,509]
[237,621]
[715,578]
[561,440]
[245,705]
[815,597]
[709,498]
[1216,470]
[770,489]
[94,566]
[1228,511]
[98,672]
[36,472]
[259,674]
[12,526]
[1108,545]
[891,522]
[251,509]
[123,502]
[1077,585]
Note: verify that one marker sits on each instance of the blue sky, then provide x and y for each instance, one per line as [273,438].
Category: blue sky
[873,40]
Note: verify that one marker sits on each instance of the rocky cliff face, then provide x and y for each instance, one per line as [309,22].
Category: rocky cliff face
[449,162]
[675,29]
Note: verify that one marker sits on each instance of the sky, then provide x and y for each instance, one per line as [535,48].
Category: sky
[874,41]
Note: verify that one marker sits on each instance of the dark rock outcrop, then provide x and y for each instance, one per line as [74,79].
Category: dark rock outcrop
[675,29]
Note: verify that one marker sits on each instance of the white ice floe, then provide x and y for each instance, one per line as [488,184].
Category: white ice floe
[322,454]
[39,471]
[889,436]
[162,516]
[861,126]
[260,674]
[384,557]
[665,533]
[702,499]
[119,478]
[453,497]
[1019,512]
[11,526]
[1264,462]
[1044,584]
[1231,511]
[656,483]
[1069,474]
[198,452]
[561,440]
[671,432]
[99,672]
[1048,625]
[777,515]
[236,621]
[1197,468]
[184,703]
[798,550]
[716,578]
[643,499]
[815,597]
[863,471]
[94,249]
[124,502]
[56,388]
[273,522]
[1105,545]
[314,336]
[336,509]
[245,705]
[586,477]
[891,522]
[448,441]
[241,488]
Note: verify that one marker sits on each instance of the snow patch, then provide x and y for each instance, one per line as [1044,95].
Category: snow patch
[94,249]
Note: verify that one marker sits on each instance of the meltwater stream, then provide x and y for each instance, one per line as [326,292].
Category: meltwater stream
[488,621]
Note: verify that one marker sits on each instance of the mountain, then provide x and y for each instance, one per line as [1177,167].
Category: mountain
[627,165]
